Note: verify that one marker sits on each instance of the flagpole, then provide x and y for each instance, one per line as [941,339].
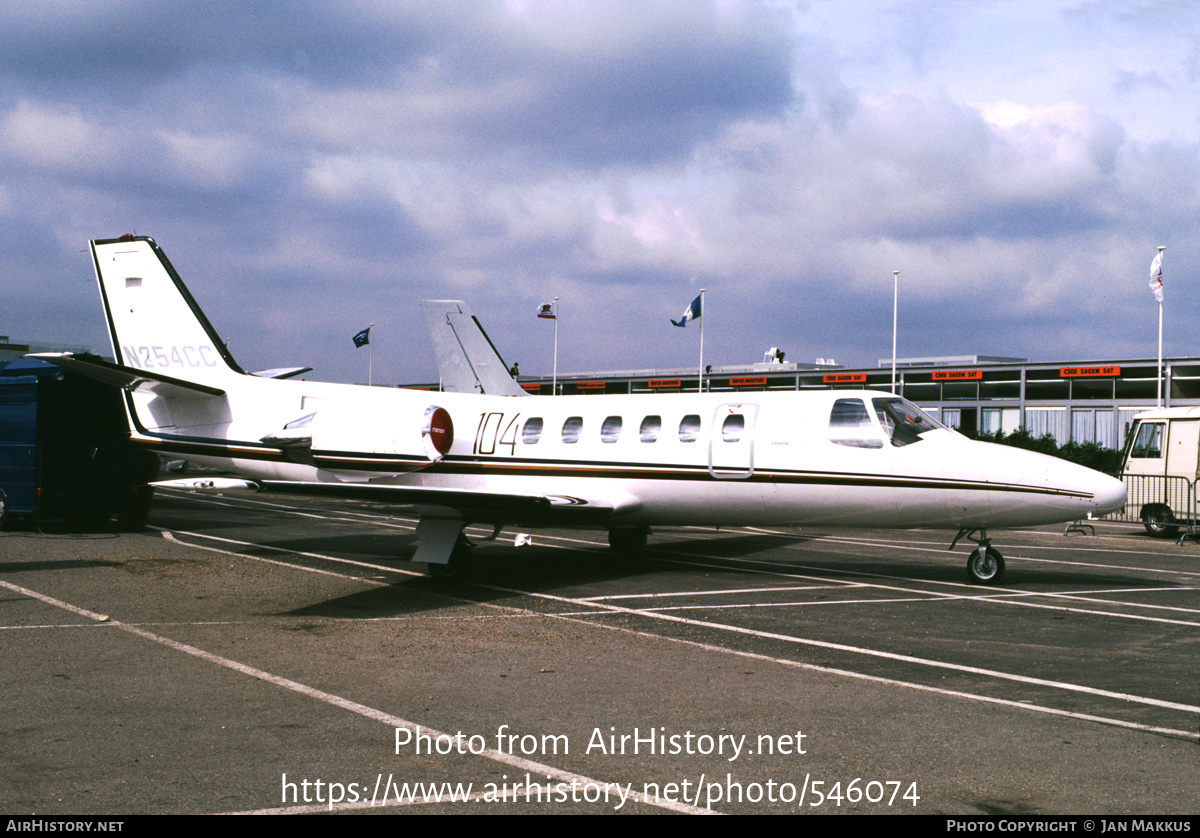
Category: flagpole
[1161,248]
[554,378]
[702,313]
[895,307]
[370,354]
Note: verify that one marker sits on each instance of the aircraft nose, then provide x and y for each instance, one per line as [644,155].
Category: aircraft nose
[1099,492]
[1033,488]
[1109,493]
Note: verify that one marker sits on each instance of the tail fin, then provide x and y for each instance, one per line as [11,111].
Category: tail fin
[154,322]
[468,361]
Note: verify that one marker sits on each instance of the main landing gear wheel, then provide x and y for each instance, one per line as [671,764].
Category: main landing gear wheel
[985,566]
[628,540]
[459,568]
[1159,521]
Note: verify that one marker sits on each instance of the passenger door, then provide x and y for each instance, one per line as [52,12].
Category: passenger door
[731,441]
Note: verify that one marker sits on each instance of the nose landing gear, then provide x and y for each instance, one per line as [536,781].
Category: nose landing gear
[985,565]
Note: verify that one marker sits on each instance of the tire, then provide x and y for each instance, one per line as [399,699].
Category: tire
[627,540]
[1159,521]
[985,566]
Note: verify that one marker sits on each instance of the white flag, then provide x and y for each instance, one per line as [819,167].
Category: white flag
[1156,276]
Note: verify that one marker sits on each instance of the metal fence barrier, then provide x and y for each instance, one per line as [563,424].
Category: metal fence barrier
[1165,504]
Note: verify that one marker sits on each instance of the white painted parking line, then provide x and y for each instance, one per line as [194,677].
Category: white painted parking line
[1004,597]
[860,650]
[768,590]
[170,536]
[995,594]
[512,760]
[908,659]
[940,547]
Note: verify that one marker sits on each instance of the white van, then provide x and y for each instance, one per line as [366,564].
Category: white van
[1160,467]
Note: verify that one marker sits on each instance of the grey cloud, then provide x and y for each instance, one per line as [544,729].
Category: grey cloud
[129,45]
[309,168]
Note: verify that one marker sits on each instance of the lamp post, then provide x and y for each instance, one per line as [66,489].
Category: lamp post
[895,308]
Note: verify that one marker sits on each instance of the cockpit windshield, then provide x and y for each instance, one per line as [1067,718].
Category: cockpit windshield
[903,421]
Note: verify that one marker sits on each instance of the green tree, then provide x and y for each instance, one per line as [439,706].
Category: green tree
[1090,454]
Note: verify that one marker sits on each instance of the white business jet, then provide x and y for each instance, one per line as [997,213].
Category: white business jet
[490,454]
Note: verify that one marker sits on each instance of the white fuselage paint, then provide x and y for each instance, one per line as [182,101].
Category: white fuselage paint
[784,469]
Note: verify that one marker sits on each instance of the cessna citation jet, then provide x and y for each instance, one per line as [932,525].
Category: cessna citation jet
[484,452]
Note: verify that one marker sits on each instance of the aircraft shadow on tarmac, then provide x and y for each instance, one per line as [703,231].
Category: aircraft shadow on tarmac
[67,564]
[500,572]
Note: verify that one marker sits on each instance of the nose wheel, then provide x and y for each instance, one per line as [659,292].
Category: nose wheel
[985,565]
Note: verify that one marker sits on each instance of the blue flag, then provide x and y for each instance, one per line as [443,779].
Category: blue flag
[362,338]
[691,313]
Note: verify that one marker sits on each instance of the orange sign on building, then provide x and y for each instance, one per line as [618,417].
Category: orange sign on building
[957,375]
[1111,371]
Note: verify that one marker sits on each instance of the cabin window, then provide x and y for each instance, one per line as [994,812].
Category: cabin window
[610,431]
[903,421]
[689,428]
[651,425]
[1147,445]
[531,432]
[851,425]
[733,427]
[571,430]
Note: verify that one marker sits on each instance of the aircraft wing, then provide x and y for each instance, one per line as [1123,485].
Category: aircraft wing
[468,361]
[473,505]
[128,378]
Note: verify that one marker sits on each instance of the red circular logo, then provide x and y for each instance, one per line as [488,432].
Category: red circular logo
[441,430]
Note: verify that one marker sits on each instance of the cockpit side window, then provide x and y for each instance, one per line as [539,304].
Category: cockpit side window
[850,424]
[903,421]
[1147,445]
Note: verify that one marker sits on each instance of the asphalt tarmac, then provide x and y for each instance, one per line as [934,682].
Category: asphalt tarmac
[260,653]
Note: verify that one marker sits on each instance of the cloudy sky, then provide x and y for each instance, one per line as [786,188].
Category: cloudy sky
[312,168]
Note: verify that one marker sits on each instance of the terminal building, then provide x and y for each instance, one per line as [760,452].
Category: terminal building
[1084,401]
[11,350]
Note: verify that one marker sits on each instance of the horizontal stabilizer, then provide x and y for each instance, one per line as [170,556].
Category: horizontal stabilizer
[128,378]
[281,372]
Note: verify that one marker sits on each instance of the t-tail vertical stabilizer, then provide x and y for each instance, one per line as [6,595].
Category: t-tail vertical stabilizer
[155,324]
